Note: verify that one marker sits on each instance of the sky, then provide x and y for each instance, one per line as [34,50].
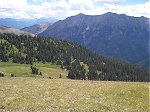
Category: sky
[61,9]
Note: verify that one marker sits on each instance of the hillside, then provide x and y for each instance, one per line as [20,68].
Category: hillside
[110,34]
[24,70]
[79,61]
[36,29]
[5,29]
[24,94]
[144,63]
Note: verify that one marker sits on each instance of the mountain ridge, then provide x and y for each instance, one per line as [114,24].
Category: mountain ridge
[36,29]
[110,34]
[21,23]
[10,30]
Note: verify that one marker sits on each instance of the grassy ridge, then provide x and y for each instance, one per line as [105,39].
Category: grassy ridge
[62,95]
[47,69]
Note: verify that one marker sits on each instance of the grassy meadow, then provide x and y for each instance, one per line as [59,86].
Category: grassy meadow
[22,94]
[28,93]
[23,70]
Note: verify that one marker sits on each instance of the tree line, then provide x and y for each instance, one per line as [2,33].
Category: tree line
[81,63]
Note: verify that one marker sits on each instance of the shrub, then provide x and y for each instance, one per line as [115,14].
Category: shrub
[1,74]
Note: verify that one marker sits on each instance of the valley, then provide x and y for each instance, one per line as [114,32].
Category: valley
[84,63]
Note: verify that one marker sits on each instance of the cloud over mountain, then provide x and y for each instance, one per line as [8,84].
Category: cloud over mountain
[61,9]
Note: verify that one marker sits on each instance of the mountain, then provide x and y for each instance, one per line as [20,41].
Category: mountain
[5,29]
[110,34]
[36,29]
[79,61]
[144,63]
[22,23]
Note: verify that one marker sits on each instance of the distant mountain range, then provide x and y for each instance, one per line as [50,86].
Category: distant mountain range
[110,34]
[21,23]
[9,30]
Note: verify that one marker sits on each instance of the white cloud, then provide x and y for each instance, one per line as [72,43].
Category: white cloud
[131,10]
[13,3]
[55,5]
[13,9]
[81,4]
[110,1]
[62,8]
[34,0]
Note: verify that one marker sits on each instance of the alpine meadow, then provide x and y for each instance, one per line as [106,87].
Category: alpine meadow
[74,56]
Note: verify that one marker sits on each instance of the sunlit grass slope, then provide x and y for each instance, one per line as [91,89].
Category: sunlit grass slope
[48,70]
[22,94]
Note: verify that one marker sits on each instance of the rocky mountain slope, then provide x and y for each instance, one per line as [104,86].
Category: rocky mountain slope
[110,34]
[36,29]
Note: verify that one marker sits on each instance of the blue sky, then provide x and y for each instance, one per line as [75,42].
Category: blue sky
[38,2]
[132,2]
[60,9]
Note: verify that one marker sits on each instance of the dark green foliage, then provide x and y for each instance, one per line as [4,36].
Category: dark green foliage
[40,73]
[34,70]
[60,76]
[69,55]
[1,74]
[77,71]
[12,75]
[3,54]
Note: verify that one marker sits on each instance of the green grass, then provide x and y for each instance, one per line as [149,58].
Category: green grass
[22,94]
[27,93]
[23,70]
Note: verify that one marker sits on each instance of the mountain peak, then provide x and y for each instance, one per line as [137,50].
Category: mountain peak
[81,14]
[119,30]
[110,13]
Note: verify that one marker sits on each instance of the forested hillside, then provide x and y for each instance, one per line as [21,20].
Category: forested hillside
[81,63]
